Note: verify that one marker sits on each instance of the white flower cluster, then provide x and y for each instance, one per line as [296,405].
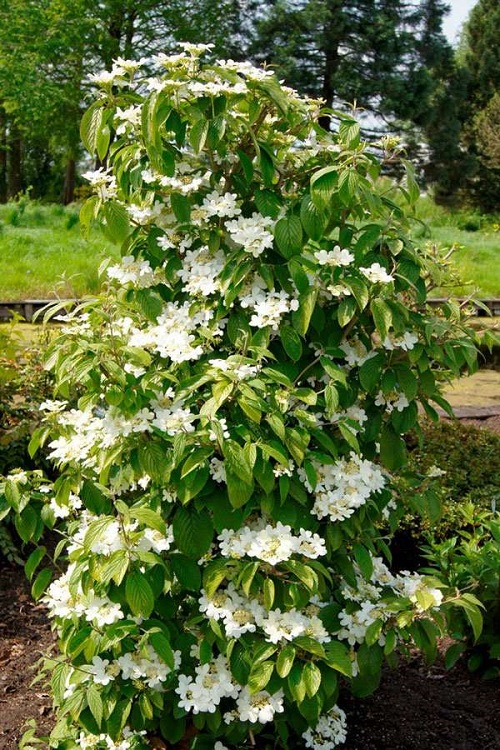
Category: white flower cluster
[343,487]
[199,272]
[173,336]
[128,119]
[329,732]
[90,429]
[251,233]
[377,274]
[204,692]
[268,307]
[63,511]
[213,682]
[406,342]
[271,544]
[138,273]
[220,205]
[372,607]
[391,401]
[103,182]
[128,741]
[235,367]
[62,602]
[356,353]
[241,615]
[335,257]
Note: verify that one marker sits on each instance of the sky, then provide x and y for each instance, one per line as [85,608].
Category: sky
[458,14]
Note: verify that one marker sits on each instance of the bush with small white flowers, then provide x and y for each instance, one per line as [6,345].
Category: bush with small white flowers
[243,388]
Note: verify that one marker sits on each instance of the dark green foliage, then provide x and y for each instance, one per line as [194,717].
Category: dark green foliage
[24,385]
[382,55]
[470,458]
[469,560]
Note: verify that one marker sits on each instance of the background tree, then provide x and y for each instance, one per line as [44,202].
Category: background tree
[382,54]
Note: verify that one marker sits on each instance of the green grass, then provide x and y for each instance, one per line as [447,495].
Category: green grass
[43,254]
[476,239]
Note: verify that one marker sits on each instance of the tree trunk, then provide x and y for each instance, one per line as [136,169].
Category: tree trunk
[3,156]
[69,182]
[14,162]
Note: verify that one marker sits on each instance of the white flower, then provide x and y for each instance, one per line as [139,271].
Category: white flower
[252,233]
[138,273]
[377,273]
[104,183]
[215,204]
[98,669]
[406,342]
[343,487]
[335,257]
[200,269]
[236,368]
[259,707]
[217,470]
[329,732]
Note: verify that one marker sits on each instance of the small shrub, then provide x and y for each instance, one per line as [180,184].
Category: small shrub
[469,561]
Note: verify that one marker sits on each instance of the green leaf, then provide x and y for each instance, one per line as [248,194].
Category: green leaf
[94,701]
[312,679]
[237,462]
[260,674]
[296,684]
[392,448]
[213,575]
[198,135]
[364,560]
[348,185]
[288,236]
[193,531]
[268,202]
[312,218]
[301,318]
[34,561]
[90,126]
[371,371]
[150,303]
[139,594]
[337,657]
[162,646]
[181,207]
[291,342]
[323,185]
[382,316]
[40,583]
[285,660]
[26,524]
[186,571]
[117,221]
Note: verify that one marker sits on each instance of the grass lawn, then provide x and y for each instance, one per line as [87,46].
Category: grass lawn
[476,239]
[43,254]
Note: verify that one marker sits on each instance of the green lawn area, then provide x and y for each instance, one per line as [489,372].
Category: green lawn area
[476,238]
[43,253]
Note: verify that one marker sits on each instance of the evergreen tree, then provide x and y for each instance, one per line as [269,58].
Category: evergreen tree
[382,54]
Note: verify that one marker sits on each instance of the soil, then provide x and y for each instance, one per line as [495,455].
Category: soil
[416,707]
[24,636]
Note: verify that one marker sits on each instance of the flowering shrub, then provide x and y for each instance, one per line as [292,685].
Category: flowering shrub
[246,381]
